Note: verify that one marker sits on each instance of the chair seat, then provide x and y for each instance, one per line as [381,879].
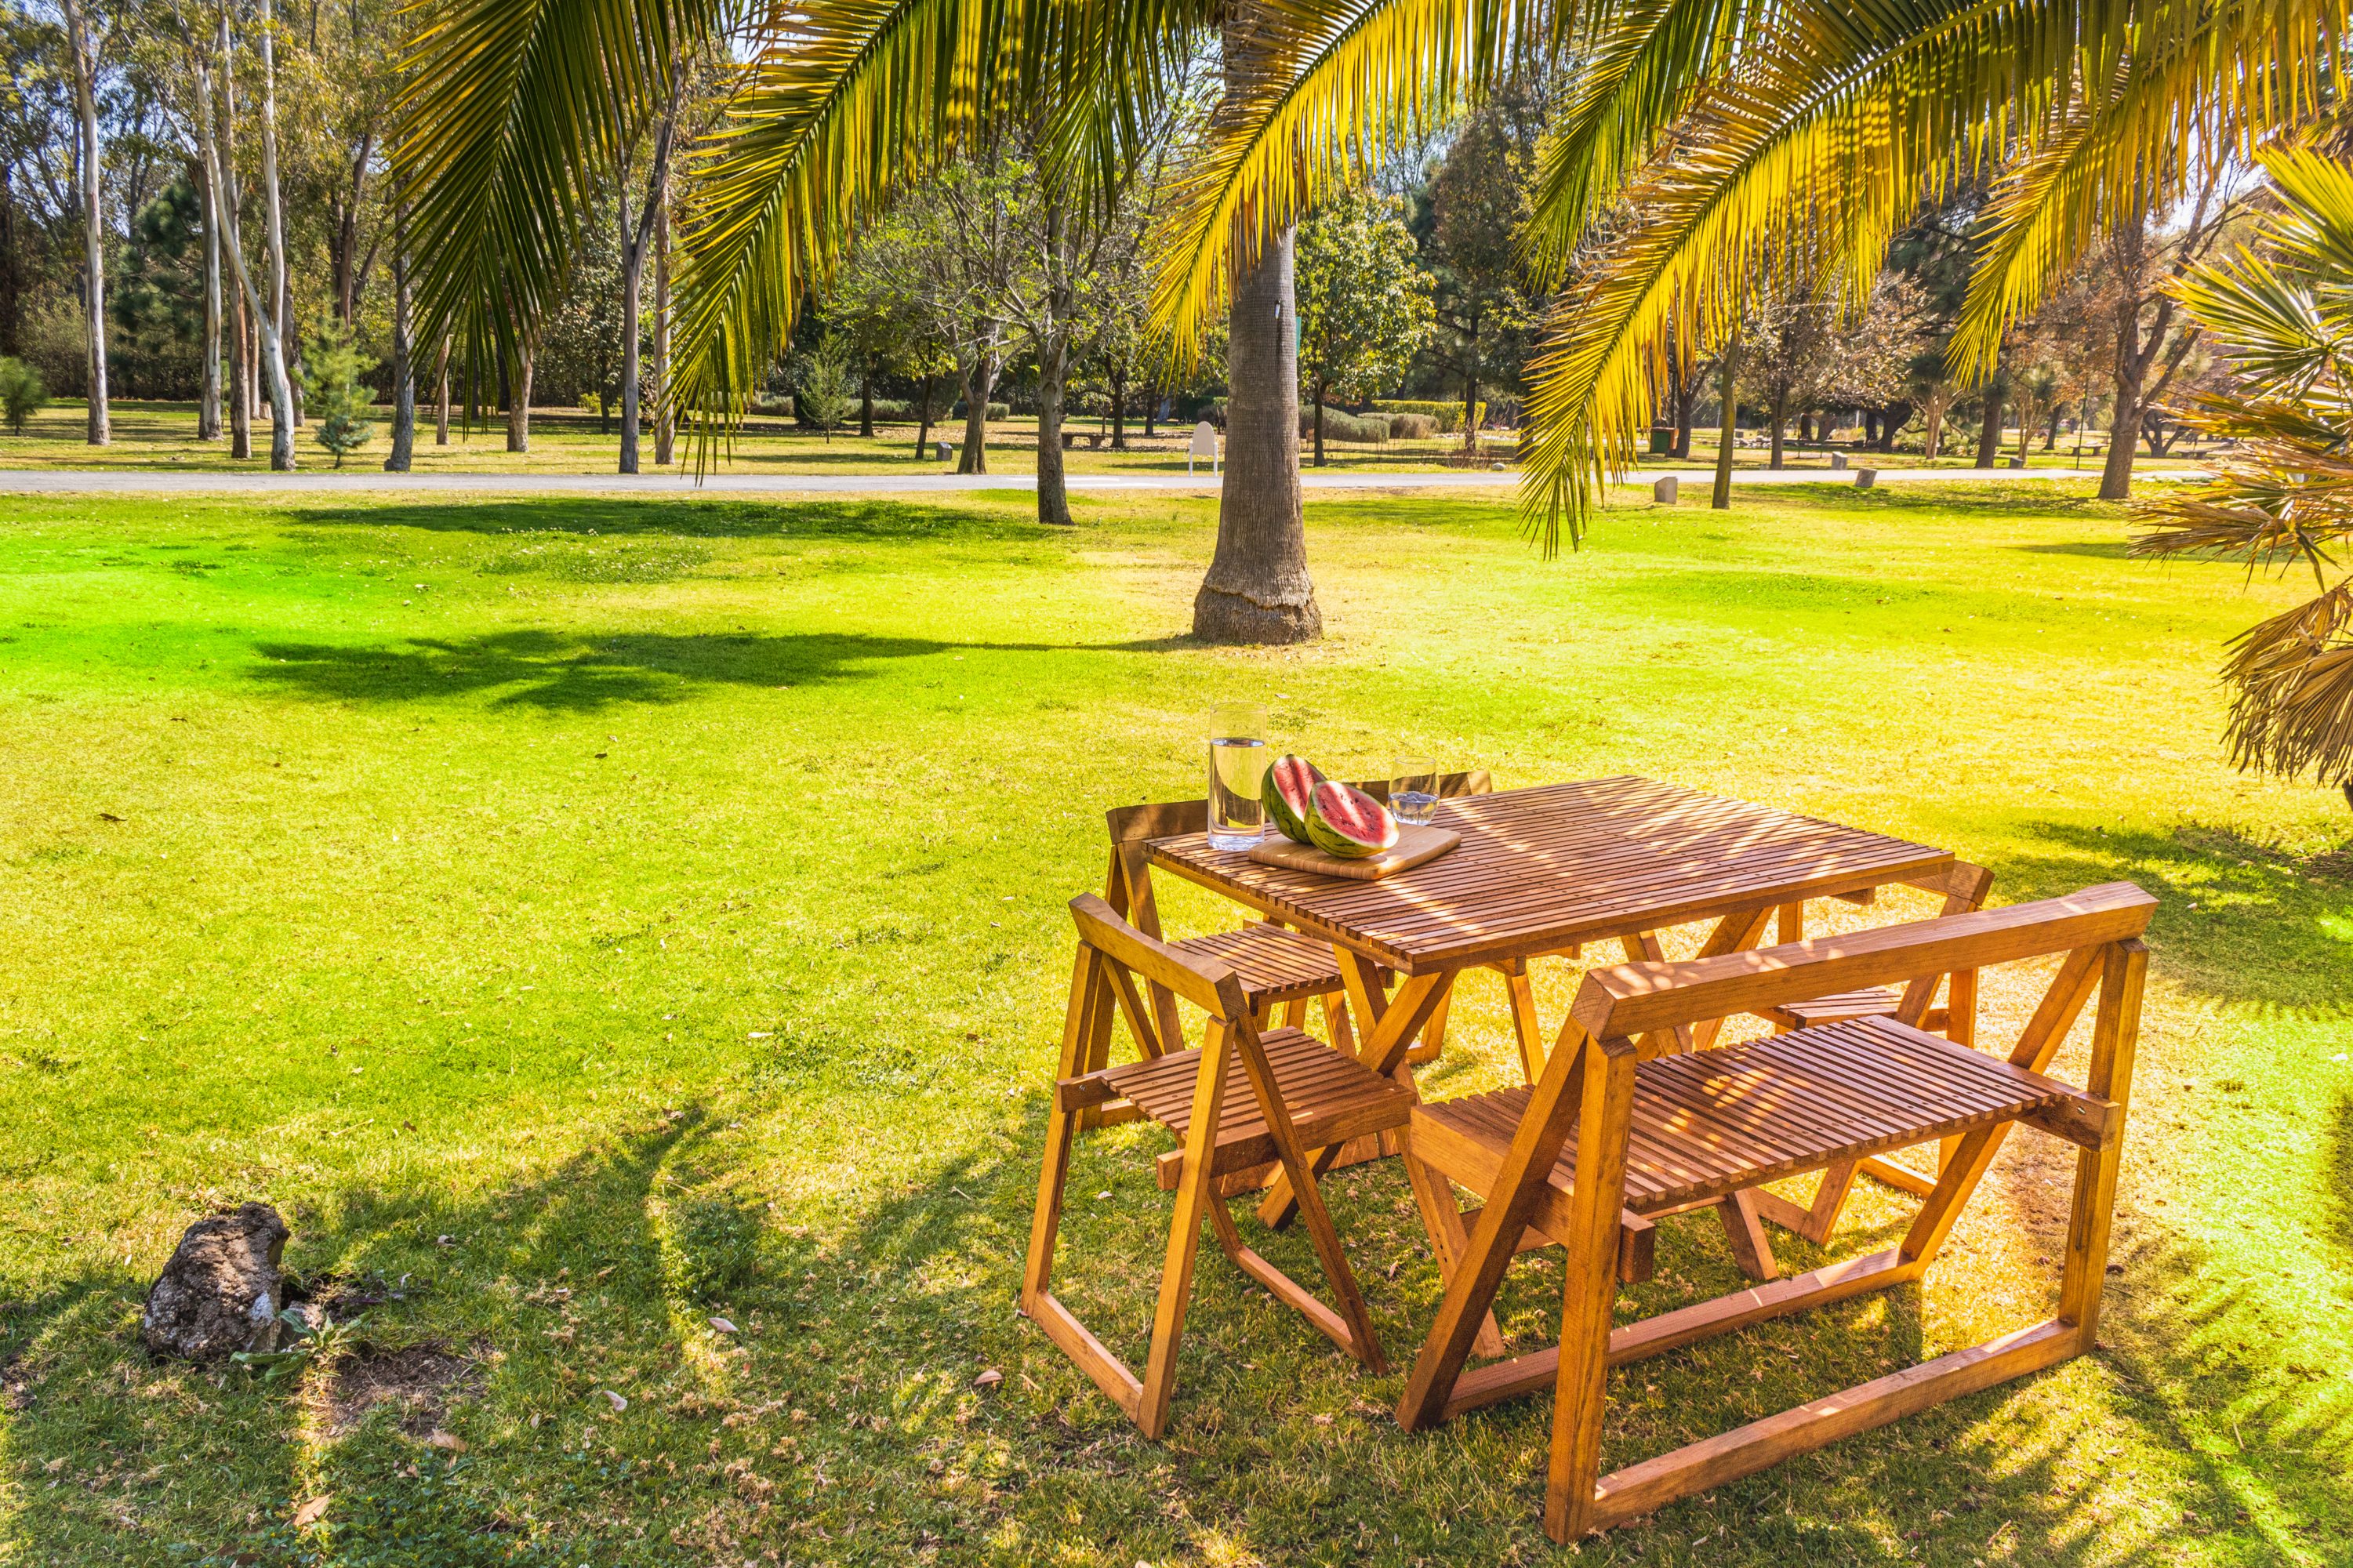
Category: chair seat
[1710,1123]
[1273,963]
[1331,1096]
[1872,1002]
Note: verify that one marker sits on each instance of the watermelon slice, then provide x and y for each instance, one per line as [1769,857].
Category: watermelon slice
[1344,821]
[1284,793]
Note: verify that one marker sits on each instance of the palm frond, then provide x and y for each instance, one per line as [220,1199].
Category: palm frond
[2156,93]
[1642,65]
[1315,89]
[513,110]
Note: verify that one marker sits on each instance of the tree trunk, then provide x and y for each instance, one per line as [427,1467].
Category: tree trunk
[866,403]
[1319,422]
[1470,413]
[273,327]
[1054,495]
[1892,418]
[1778,411]
[441,404]
[1727,391]
[633,271]
[1150,408]
[12,310]
[1684,391]
[1989,427]
[1257,589]
[240,383]
[404,380]
[2050,434]
[519,400]
[979,382]
[665,417]
[924,420]
[85,87]
[1118,413]
[208,378]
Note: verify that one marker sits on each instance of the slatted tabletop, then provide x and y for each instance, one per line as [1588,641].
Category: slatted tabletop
[1541,869]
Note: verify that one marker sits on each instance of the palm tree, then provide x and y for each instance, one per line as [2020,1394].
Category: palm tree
[2283,318]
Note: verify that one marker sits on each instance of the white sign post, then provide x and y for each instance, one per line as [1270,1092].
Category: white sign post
[1205,445]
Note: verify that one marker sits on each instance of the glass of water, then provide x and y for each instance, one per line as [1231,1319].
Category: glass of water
[1413,793]
[1237,764]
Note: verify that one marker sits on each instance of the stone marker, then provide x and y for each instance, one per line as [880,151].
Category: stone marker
[220,1291]
[1204,446]
[2017,462]
[1865,478]
[1838,462]
[1664,492]
[945,451]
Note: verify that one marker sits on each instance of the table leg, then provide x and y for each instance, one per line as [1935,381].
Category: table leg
[1390,1024]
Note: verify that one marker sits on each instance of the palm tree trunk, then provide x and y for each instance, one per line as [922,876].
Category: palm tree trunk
[93,232]
[404,380]
[1727,391]
[1257,589]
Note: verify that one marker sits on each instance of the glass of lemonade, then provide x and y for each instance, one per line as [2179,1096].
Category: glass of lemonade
[1413,793]
[1237,764]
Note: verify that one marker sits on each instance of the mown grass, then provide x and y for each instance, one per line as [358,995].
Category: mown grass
[584,918]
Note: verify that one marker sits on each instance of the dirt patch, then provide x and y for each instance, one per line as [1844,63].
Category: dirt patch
[419,1382]
[2337,864]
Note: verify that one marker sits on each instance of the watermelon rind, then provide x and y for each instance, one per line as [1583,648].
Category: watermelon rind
[1329,801]
[1303,776]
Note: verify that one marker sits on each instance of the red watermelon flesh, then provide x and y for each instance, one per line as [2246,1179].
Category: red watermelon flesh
[1344,821]
[1288,785]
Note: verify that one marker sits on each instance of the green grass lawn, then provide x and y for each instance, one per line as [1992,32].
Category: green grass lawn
[584,918]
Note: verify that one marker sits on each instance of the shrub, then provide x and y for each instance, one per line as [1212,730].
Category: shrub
[21,392]
[591,404]
[1449,416]
[824,395]
[1340,426]
[714,1248]
[995,411]
[1412,426]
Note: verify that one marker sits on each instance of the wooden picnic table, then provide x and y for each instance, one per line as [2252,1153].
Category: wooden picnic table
[1544,871]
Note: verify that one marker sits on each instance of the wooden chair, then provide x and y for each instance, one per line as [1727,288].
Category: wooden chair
[1245,1097]
[1965,888]
[1561,1157]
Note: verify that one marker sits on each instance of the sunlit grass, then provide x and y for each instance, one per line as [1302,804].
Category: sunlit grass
[505,889]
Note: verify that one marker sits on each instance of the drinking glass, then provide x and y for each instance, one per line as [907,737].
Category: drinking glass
[1413,793]
[1237,762]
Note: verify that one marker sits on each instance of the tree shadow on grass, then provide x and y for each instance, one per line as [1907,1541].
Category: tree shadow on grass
[581,672]
[688,515]
[2237,918]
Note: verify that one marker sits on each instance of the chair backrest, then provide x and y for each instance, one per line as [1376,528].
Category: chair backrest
[1634,1000]
[1211,987]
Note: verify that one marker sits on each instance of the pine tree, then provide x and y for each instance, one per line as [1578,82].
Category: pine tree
[333,396]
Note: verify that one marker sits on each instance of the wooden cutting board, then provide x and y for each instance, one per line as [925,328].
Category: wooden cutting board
[1415,845]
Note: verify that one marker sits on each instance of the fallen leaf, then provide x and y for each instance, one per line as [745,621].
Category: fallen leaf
[53,1466]
[310,1513]
[107,816]
[619,1404]
[989,1379]
[448,1440]
[723,1325]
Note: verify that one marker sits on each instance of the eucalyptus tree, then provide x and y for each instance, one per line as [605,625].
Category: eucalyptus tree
[83,41]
